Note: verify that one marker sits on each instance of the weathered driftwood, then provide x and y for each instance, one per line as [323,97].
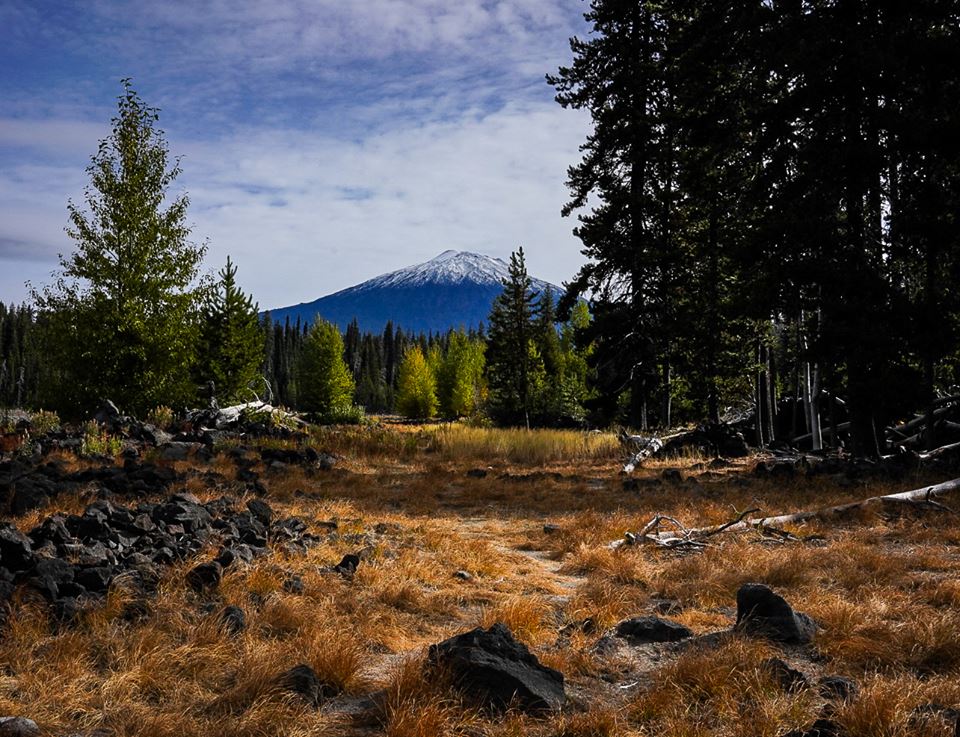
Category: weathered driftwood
[941,452]
[645,447]
[925,496]
[227,416]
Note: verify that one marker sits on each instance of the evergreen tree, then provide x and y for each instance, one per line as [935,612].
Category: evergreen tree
[231,338]
[513,360]
[416,386]
[618,76]
[120,321]
[325,382]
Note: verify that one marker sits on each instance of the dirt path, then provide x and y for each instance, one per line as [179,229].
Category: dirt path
[541,565]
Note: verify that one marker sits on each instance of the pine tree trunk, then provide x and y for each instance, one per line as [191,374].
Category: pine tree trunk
[815,409]
[667,394]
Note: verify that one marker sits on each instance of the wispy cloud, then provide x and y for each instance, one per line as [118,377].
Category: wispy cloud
[323,142]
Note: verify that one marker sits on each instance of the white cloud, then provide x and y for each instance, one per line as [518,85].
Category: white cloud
[324,141]
[305,215]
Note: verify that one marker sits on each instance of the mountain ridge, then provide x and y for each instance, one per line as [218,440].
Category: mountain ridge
[451,290]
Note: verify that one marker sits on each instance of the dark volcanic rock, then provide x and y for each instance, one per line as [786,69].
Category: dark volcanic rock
[205,577]
[16,553]
[18,727]
[643,630]
[303,681]
[260,510]
[233,619]
[820,728]
[181,510]
[348,565]
[789,678]
[96,580]
[52,578]
[763,613]
[837,688]
[499,670]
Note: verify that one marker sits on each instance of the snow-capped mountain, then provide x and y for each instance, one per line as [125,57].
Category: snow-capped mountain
[454,289]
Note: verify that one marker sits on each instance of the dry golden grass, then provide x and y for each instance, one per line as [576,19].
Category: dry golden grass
[884,592]
[456,442]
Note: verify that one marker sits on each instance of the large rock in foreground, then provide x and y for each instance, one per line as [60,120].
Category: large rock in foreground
[501,671]
[763,613]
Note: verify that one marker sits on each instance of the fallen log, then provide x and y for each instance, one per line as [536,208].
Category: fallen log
[228,416]
[646,447]
[921,420]
[824,432]
[926,495]
[943,450]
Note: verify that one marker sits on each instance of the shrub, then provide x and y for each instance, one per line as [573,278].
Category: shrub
[43,421]
[161,417]
[97,442]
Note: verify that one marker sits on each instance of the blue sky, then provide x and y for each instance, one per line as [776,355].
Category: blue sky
[322,141]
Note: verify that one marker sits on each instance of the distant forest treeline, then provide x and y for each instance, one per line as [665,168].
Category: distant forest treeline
[373,359]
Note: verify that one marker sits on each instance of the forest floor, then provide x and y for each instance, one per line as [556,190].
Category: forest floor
[531,529]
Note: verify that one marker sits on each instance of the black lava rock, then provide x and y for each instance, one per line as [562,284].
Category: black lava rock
[260,510]
[348,565]
[763,613]
[643,630]
[16,552]
[499,670]
[788,677]
[233,619]
[18,727]
[837,688]
[205,577]
[303,681]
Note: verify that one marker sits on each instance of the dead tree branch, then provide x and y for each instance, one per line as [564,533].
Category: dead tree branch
[925,496]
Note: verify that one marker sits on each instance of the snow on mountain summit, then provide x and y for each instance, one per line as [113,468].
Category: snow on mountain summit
[453,289]
[450,267]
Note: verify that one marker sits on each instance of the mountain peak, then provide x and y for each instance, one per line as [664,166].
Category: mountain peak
[449,267]
[453,288]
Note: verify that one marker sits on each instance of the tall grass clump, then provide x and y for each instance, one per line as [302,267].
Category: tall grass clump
[526,447]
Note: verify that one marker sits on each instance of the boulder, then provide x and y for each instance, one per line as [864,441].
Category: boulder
[837,688]
[205,577]
[96,579]
[260,510]
[51,576]
[499,670]
[178,451]
[786,676]
[763,613]
[644,630]
[820,728]
[16,553]
[348,565]
[233,619]
[18,727]
[303,681]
